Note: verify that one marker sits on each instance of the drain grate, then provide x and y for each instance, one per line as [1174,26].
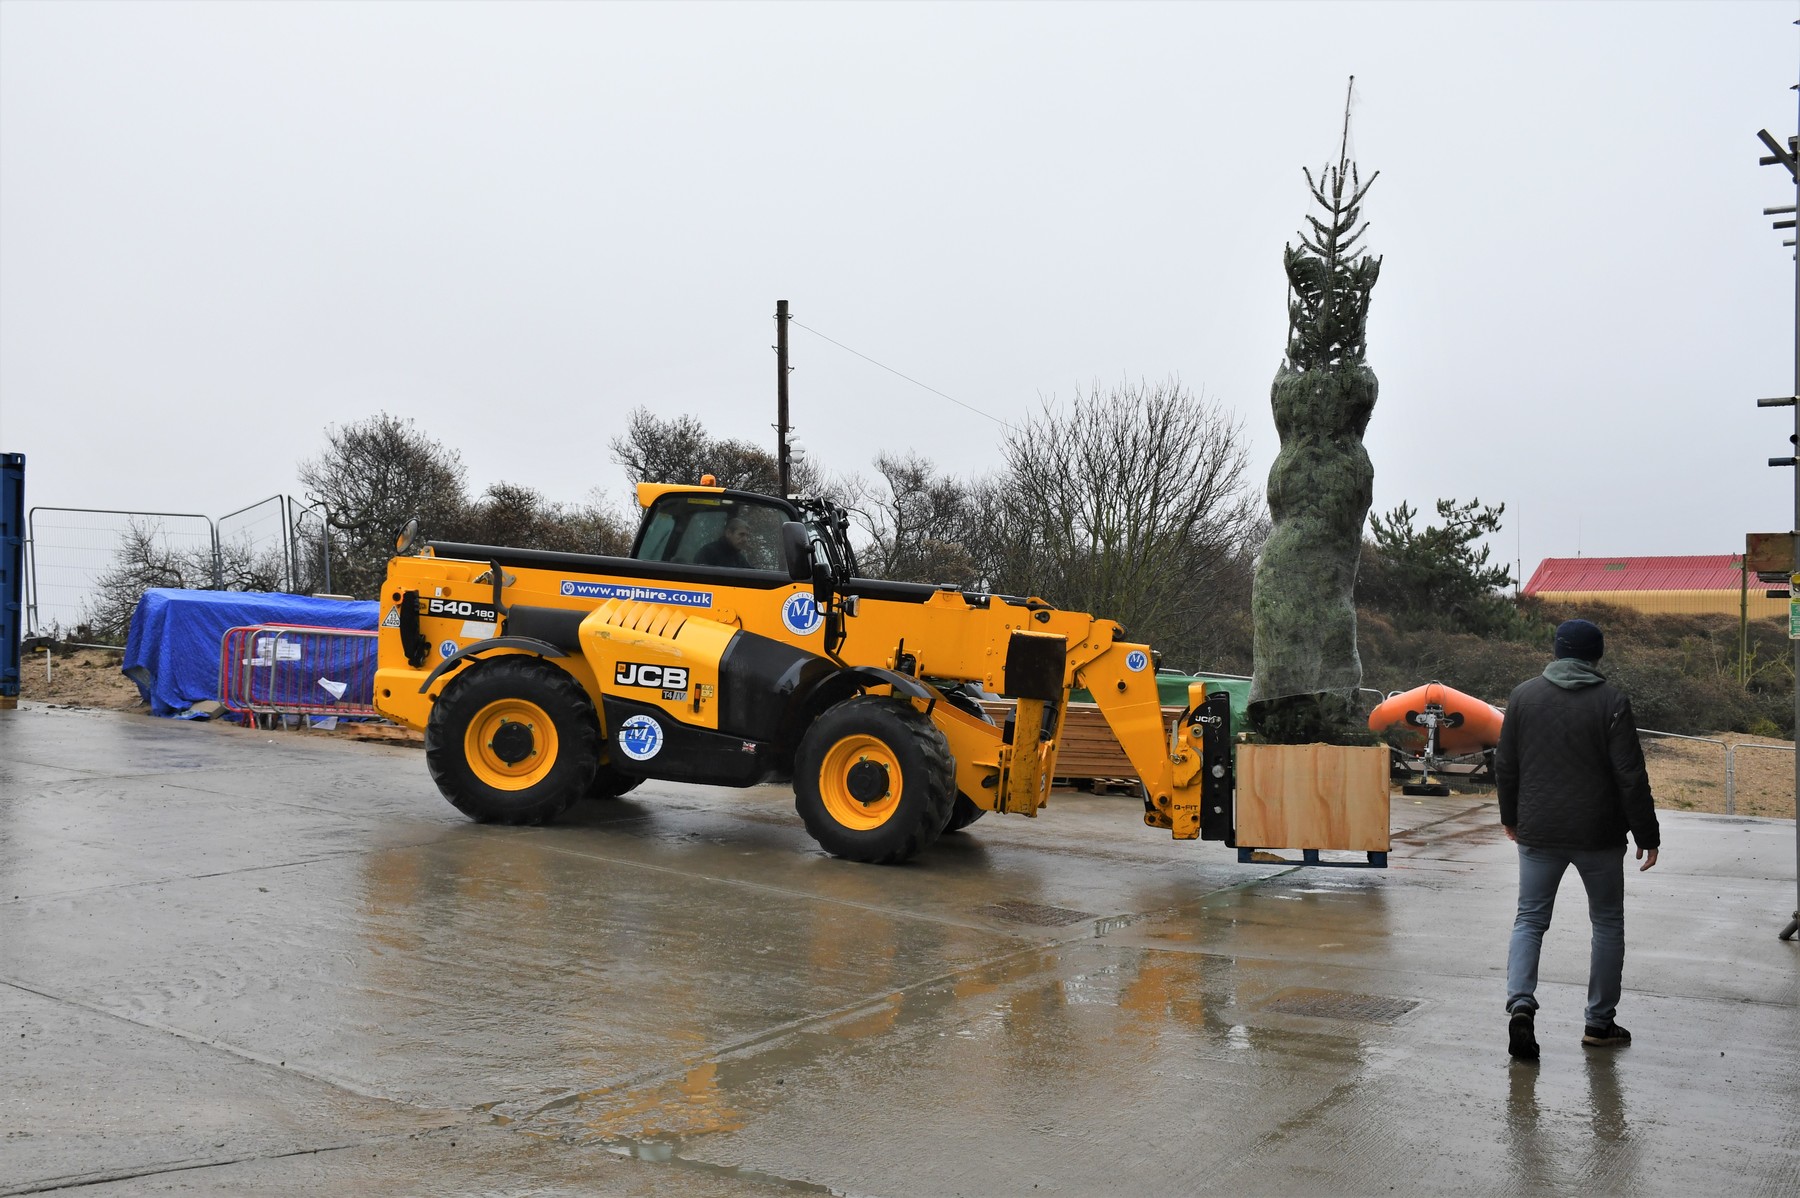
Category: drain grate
[1340,1004]
[1038,914]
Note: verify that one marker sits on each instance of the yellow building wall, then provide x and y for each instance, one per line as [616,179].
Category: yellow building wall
[1685,603]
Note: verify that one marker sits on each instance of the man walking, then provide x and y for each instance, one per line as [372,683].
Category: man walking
[1572,783]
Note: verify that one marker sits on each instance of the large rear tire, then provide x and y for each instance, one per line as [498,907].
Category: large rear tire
[513,740]
[873,780]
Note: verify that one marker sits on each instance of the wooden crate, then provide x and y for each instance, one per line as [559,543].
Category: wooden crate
[1313,797]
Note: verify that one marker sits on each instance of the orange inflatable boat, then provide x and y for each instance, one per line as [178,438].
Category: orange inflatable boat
[1479,729]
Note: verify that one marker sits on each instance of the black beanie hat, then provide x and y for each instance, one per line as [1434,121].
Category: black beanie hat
[1580,638]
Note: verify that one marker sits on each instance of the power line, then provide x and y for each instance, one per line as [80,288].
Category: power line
[915,382]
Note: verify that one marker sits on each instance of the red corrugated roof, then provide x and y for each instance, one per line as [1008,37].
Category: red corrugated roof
[1714,572]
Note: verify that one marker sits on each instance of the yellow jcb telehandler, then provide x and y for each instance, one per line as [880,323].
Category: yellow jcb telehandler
[737,645]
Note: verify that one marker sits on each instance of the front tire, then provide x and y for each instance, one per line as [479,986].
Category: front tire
[513,740]
[873,780]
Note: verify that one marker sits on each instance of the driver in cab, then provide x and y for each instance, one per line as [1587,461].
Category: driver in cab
[729,549]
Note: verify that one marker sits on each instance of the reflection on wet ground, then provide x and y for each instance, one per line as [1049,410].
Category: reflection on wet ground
[1572,1143]
[229,954]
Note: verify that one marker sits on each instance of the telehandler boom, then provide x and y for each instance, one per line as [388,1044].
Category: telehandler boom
[540,678]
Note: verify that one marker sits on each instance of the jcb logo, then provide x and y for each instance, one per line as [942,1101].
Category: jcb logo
[630,673]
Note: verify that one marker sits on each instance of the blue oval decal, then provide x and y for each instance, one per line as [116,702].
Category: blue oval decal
[800,615]
[640,738]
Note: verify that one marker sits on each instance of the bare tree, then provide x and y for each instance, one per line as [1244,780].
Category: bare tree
[1128,503]
[373,475]
[917,522]
[680,450]
[1003,538]
[601,526]
[653,450]
[511,514]
[244,567]
[1224,640]
[144,559]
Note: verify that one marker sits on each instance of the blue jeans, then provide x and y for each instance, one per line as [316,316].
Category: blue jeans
[1540,872]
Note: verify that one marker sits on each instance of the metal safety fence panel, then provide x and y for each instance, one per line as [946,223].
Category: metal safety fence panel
[290,669]
[89,565]
[255,553]
[1730,750]
[309,542]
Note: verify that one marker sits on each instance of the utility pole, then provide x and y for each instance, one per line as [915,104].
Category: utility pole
[781,402]
[1785,156]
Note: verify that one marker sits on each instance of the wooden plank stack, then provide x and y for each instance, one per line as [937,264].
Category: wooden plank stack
[1089,749]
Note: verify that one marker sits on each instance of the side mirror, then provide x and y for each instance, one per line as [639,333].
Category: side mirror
[796,551]
[406,537]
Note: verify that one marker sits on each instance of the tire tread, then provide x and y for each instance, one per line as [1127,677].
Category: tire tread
[940,797]
[444,735]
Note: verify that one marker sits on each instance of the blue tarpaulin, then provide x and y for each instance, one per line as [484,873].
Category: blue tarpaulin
[172,650]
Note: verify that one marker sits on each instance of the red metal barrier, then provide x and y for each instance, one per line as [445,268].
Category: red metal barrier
[289,669]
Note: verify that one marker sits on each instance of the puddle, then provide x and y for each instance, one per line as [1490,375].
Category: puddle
[668,1152]
[1113,923]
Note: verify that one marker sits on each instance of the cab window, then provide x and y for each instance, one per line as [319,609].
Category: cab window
[714,531]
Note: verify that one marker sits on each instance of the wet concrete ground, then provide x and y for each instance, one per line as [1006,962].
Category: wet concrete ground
[235,962]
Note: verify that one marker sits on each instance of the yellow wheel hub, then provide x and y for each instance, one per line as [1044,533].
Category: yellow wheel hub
[860,782]
[510,744]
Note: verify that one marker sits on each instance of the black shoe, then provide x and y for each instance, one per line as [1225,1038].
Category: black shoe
[1521,1035]
[1610,1036]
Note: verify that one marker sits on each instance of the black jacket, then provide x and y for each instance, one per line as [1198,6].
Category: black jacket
[1570,768]
[721,553]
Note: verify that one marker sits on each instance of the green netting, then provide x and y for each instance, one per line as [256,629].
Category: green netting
[1321,484]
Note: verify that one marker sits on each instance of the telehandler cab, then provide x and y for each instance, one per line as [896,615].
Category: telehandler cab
[540,678]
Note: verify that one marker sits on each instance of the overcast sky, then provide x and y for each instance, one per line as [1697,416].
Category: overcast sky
[224,227]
